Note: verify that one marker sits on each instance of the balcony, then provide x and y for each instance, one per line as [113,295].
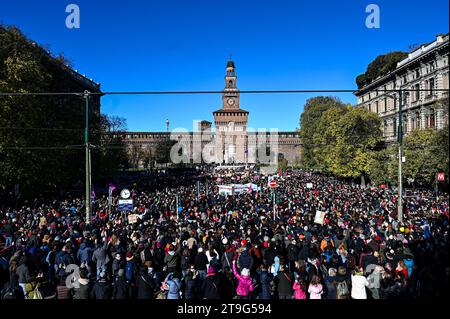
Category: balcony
[416,102]
[430,97]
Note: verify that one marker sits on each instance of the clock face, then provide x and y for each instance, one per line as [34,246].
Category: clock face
[230,101]
[125,193]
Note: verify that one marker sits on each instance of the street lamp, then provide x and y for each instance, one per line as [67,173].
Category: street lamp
[400,152]
[86,96]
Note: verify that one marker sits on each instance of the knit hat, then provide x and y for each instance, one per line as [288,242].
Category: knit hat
[266,244]
[129,255]
[245,272]
[211,270]
[224,241]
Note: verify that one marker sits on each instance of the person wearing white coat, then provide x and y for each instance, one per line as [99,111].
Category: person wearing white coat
[359,284]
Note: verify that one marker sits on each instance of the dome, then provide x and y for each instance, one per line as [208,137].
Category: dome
[230,64]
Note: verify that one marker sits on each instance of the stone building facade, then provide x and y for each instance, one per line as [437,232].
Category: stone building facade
[231,141]
[425,73]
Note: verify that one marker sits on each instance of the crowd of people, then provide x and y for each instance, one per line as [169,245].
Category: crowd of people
[252,245]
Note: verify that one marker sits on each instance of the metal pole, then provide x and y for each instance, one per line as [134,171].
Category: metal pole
[88,167]
[176,201]
[274,208]
[436,189]
[109,199]
[198,189]
[400,157]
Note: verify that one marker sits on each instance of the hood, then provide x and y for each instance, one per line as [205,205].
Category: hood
[245,272]
[342,272]
[83,281]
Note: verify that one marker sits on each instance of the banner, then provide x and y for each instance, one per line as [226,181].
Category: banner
[226,190]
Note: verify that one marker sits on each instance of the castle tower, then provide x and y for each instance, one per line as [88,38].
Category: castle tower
[231,122]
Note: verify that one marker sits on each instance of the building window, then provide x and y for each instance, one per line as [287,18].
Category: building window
[416,92]
[376,106]
[405,79]
[431,86]
[431,119]
[417,126]
[385,126]
[445,81]
[394,128]
[385,104]
[417,73]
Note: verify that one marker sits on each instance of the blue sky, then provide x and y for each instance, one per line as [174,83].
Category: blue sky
[178,45]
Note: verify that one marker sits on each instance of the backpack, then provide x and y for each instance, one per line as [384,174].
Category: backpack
[342,288]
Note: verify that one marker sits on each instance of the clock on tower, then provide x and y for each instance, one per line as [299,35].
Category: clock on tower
[230,96]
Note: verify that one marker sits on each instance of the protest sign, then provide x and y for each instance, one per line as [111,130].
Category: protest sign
[319,218]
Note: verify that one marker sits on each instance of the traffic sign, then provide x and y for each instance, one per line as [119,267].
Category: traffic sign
[273,183]
[125,204]
[440,177]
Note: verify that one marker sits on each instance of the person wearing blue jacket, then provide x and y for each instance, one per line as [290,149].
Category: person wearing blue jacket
[174,284]
[265,278]
[245,260]
[409,263]
[130,274]
[84,253]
